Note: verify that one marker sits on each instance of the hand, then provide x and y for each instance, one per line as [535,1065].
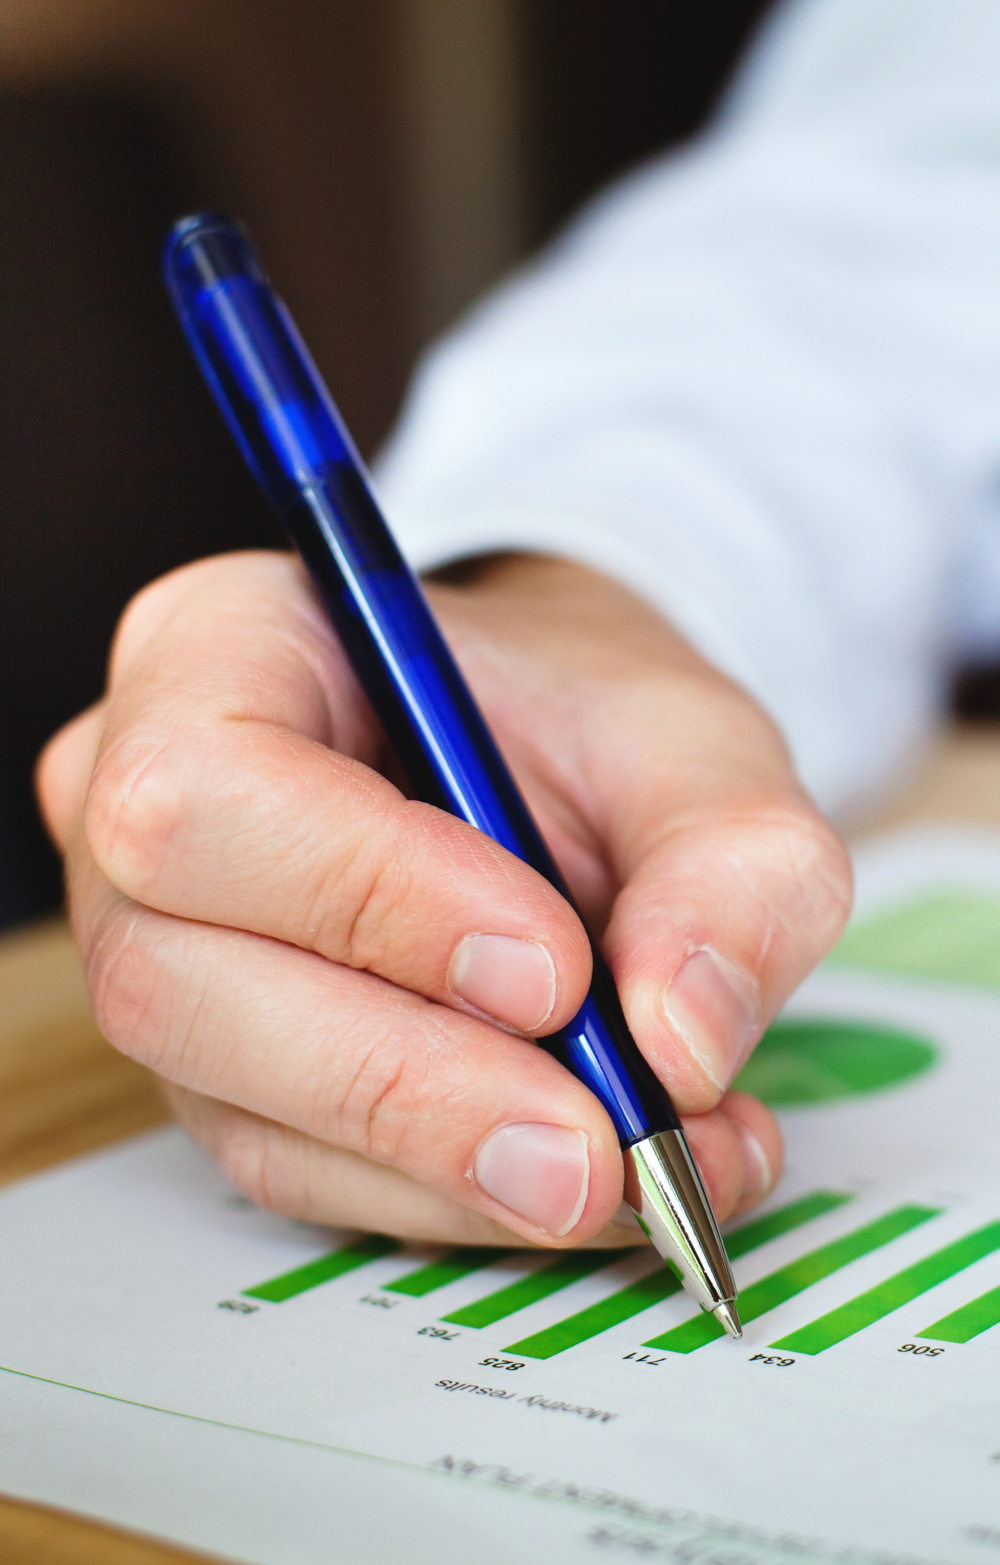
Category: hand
[340,985]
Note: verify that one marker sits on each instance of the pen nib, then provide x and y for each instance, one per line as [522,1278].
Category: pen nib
[727,1315]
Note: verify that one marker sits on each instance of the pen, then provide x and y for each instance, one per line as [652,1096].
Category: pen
[295,442]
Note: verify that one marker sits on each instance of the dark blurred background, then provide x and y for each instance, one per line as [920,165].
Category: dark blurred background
[393,158]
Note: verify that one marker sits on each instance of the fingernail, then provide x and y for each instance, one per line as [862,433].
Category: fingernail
[541,1172]
[712,1007]
[757,1176]
[513,980]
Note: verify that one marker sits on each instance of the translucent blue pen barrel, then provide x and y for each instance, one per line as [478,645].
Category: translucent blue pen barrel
[293,438]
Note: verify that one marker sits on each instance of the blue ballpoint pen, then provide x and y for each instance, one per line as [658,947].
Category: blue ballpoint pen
[297,447]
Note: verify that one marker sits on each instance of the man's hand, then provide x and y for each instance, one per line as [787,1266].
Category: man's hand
[340,985]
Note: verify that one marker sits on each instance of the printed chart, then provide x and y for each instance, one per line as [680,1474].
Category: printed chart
[179,1361]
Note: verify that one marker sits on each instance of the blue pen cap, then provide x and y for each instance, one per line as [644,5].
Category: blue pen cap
[251,354]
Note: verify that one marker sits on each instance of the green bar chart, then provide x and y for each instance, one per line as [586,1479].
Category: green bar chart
[787,1282]
[290,1284]
[968,1322]
[793,1279]
[660,1284]
[839,1324]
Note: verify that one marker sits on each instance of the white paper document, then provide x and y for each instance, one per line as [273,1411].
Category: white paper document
[176,1361]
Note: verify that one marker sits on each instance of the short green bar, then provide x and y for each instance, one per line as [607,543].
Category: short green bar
[784,1284]
[456,1264]
[658,1285]
[327,1267]
[964,1324]
[892,1294]
[528,1290]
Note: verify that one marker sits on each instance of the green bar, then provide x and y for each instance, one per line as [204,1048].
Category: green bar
[600,1317]
[328,1266]
[528,1290]
[782,1221]
[456,1264]
[649,1290]
[784,1284]
[890,1295]
[964,1324]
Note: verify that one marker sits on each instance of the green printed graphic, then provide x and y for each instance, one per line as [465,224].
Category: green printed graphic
[456,1264]
[790,1280]
[815,1060]
[289,1284]
[893,1293]
[659,1285]
[964,1324]
[952,933]
[518,1295]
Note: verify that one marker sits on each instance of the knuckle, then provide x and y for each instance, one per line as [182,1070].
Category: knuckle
[249,1152]
[131,813]
[377,1099]
[373,907]
[148,984]
[372,1111]
[124,984]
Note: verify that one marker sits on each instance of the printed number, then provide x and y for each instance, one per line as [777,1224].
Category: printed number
[921,1347]
[501,1364]
[379,1301]
[764,1358]
[238,1306]
[646,1358]
[438,1331]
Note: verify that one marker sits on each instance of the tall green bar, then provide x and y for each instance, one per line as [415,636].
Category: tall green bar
[784,1284]
[893,1293]
[965,1323]
[289,1284]
[438,1274]
[659,1285]
[547,1280]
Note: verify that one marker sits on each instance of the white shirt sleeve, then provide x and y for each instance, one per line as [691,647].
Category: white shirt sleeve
[759,383]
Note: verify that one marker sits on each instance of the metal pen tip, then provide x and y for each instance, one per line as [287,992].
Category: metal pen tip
[728,1316]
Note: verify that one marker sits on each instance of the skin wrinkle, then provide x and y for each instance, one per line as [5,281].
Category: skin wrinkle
[802,868]
[356,941]
[254,696]
[784,829]
[369,1127]
[438,1045]
[333,943]
[309,640]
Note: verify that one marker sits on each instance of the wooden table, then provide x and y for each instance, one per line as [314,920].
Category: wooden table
[64,1090]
